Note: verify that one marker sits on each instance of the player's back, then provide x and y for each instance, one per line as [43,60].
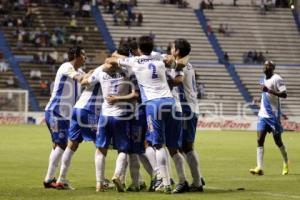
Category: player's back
[116,84]
[65,91]
[188,90]
[150,72]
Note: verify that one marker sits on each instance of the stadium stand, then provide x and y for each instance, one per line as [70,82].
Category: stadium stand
[167,22]
[47,18]
[274,34]
[221,95]
[251,74]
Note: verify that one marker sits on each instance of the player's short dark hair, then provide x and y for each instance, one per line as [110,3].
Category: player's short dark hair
[146,44]
[74,52]
[183,46]
[270,64]
[133,44]
[123,49]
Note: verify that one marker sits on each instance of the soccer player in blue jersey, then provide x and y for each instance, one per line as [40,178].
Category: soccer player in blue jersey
[273,88]
[186,83]
[58,111]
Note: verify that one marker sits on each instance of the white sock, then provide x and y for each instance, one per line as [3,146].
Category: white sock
[147,165]
[100,167]
[151,155]
[141,179]
[162,162]
[65,164]
[54,158]
[134,166]
[124,172]
[260,157]
[284,154]
[192,160]
[178,160]
[120,164]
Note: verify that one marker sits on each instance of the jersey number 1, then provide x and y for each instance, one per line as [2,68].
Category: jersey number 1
[153,68]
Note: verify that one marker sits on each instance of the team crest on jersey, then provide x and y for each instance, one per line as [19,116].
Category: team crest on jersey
[54,125]
[61,135]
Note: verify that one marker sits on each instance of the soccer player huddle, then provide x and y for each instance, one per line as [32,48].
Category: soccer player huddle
[144,105]
[141,103]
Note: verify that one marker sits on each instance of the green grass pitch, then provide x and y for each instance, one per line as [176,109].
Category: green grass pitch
[226,157]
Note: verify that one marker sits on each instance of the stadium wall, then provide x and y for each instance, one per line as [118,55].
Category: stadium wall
[247,123]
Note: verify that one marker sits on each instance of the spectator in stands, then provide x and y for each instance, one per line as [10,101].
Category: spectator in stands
[10,82]
[261,58]
[2,11]
[54,40]
[203,5]
[209,27]
[86,9]
[67,10]
[52,57]
[210,4]
[72,38]
[228,30]
[65,57]
[73,23]
[200,91]
[44,87]
[79,39]
[152,35]
[234,2]
[111,5]
[226,57]
[3,66]
[35,74]
[221,28]
[140,19]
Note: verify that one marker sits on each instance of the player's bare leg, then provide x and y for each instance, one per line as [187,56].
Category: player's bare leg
[279,143]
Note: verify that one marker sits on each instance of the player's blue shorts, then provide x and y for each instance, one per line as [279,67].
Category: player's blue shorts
[190,120]
[115,130]
[58,127]
[138,129]
[83,125]
[269,125]
[174,131]
[159,117]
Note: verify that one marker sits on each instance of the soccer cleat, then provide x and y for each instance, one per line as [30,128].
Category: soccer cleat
[101,187]
[143,186]
[167,189]
[194,188]
[119,186]
[108,184]
[285,169]
[50,184]
[157,183]
[64,186]
[256,171]
[202,181]
[133,188]
[181,188]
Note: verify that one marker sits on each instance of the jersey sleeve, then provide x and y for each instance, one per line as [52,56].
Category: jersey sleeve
[70,72]
[279,85]
[95,76]
[126,62]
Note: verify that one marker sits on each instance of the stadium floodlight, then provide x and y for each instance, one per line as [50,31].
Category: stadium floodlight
[13,106]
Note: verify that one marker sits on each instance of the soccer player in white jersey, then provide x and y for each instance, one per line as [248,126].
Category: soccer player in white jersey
[187,92]
[156,95]
[273,88]
[58,111]
[113,122]
[83,126]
